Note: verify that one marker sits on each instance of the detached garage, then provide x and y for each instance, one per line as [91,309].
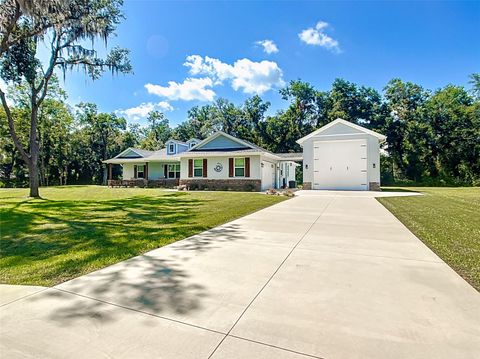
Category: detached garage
[341,156]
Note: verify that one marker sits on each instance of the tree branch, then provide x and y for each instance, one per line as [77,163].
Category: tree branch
[8,30]
[43,87]
[11,128]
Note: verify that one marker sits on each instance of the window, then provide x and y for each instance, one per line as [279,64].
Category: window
[192,144]
[174,171]
[239,167]
[171,148]
[198,168]
[141,171]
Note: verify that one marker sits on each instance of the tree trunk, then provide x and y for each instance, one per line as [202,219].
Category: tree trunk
[33,177]
[34,152]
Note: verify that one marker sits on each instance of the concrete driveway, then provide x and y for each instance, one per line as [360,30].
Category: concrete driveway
[324,275]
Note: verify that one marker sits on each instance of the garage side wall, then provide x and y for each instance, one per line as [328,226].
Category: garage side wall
[373,160]
[373,157]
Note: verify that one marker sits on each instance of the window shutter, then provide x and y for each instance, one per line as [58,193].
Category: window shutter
[247,166]
[165,171]
[204,167]
[146,171]
[190,168]
[230,167]
[134,171]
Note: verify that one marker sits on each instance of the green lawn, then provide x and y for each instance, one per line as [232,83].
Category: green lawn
[448,221]
[74,230]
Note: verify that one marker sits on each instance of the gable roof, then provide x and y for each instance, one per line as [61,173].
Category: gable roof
[193,140]
[144,156]
[380,137]
[246,147]
[217,134]
[176,141]
[138,151]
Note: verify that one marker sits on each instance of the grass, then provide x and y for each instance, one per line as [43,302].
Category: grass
[447,220]
[74,230]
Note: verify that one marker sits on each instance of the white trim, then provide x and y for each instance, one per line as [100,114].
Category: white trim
[235,167]
[346,123]
[175,170]
[193,174]
[143,172]
[141,160]
[176,141]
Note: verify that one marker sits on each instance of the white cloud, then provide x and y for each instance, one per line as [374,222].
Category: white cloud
[317,37]
[268,46]
[190,89]
[142,110]
[246,75]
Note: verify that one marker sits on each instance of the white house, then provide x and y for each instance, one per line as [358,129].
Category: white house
[341,155]
[220,162]
[225,162]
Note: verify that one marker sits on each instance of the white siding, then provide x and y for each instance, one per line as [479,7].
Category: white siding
[269,177]
[287,172]
[373,155]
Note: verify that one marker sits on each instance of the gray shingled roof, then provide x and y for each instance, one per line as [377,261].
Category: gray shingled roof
[144,153]
[291,156]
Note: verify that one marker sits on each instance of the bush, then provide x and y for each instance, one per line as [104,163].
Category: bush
[250,188]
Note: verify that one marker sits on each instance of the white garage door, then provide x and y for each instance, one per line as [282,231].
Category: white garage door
[268,175]
[340,165]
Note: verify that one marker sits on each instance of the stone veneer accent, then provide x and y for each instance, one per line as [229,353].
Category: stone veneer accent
[374,186]
[158,183]
[307,185]
[233,184]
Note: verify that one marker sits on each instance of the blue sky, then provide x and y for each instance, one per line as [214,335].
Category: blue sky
[188,53]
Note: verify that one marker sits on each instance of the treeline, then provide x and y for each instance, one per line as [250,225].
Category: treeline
[433,137]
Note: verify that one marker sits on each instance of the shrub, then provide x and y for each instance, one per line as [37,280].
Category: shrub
[250,188]
[272,191]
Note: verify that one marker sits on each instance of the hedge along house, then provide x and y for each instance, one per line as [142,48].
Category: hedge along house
[341,156]
[149,168]
[224,162]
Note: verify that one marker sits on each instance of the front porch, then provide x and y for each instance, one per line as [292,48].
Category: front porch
[144,174]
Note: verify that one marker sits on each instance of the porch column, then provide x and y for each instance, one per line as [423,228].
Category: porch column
[109,171]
